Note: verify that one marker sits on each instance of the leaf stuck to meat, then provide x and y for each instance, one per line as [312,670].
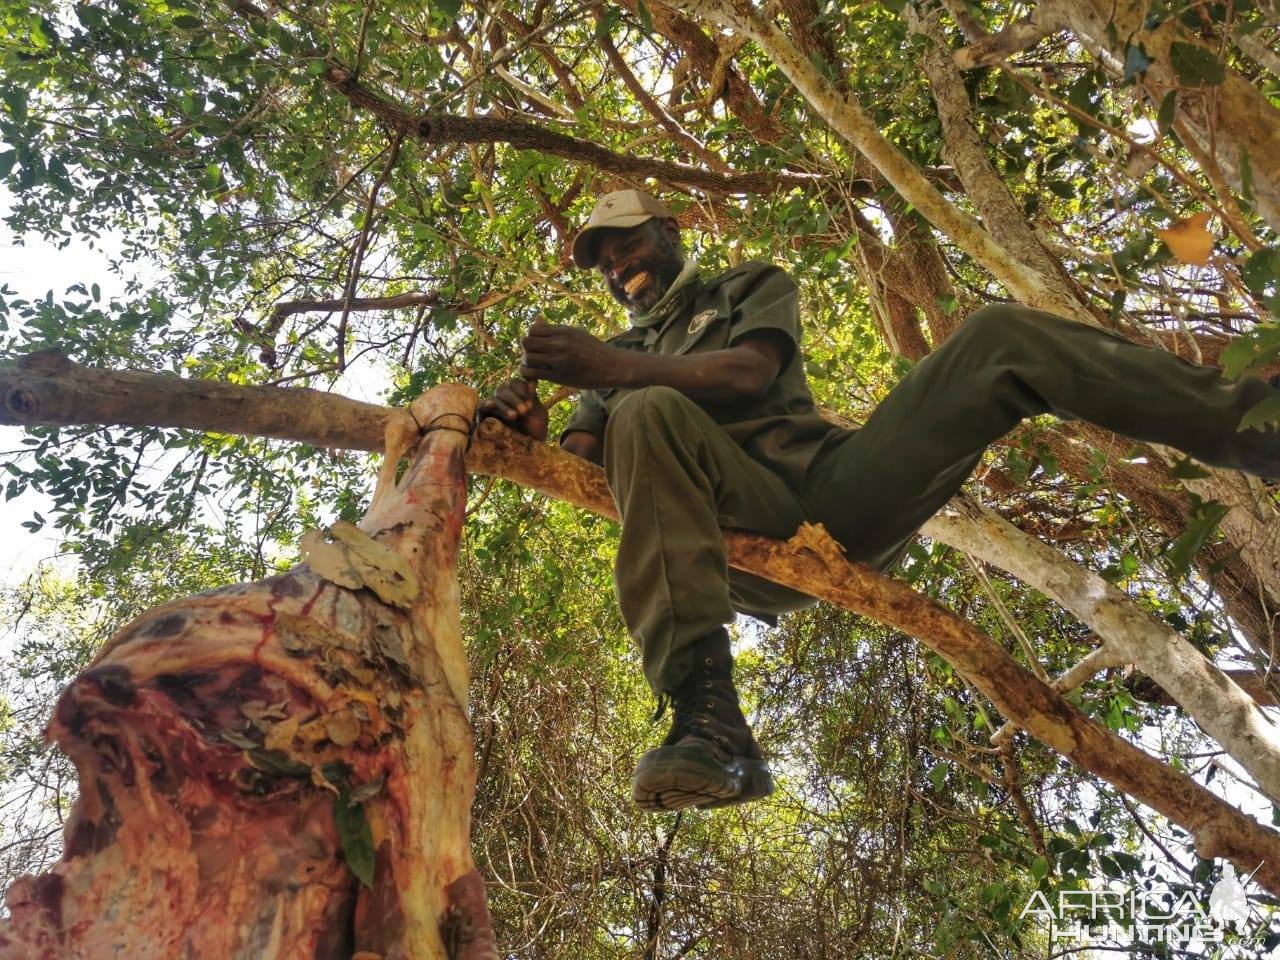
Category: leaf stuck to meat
[354,835]
[353,559]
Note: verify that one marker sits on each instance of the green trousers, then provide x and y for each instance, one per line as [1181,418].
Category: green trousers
[678,478]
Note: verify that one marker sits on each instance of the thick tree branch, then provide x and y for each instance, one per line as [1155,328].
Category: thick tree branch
[1225,711]
[47,388]
[453,129]
[964,147]
[1018,36]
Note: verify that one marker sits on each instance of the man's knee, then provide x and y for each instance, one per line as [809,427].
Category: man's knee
[993,322]
[1002,332]
[650,407]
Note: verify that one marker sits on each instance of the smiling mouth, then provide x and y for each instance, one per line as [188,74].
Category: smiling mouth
[636,283]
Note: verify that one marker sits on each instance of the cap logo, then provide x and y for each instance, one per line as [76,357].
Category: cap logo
[700,321]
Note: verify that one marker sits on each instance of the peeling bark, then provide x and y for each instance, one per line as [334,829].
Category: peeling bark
[212,737]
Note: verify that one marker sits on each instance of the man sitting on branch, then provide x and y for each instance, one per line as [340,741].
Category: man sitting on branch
[702,418]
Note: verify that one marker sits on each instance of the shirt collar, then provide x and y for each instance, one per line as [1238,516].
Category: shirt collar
[674,295]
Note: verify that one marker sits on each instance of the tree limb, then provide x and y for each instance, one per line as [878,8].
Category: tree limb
[450,128]
[1018,36]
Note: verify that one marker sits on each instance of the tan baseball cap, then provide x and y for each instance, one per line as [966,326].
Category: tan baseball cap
[620,209]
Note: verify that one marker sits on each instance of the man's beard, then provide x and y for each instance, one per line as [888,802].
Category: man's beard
[645,284]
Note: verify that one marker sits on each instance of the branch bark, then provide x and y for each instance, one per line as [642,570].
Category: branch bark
[1227,713]
[38,391]
[966,151]
[453,129]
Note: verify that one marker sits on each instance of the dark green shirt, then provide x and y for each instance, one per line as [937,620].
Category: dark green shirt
[782,429]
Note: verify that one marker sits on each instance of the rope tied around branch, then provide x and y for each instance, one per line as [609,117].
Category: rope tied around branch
[469,430]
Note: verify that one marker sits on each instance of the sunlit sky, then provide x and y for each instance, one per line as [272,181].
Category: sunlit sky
[31,270]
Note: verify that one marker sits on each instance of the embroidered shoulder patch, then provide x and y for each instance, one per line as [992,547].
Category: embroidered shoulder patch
[701,320]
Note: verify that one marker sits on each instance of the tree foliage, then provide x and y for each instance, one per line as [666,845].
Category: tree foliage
[276,174]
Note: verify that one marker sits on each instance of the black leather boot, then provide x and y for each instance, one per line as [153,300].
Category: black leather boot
[710,758]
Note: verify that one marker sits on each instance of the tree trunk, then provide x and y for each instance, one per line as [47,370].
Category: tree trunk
[283,769]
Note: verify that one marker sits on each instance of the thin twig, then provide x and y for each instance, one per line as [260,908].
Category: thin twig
[357,257]
[364,28]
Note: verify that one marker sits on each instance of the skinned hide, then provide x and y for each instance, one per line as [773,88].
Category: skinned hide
[245,753]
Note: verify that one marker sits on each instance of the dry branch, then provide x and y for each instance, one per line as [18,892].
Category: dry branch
[38,392]
[452,129]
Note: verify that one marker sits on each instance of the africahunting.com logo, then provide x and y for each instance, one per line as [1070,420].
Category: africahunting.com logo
[1148,916]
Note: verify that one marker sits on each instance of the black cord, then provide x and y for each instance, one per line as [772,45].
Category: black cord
[469,430]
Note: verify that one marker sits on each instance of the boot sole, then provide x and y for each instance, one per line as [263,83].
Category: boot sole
[678,782]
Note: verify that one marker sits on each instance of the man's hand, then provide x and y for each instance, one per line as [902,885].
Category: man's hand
[516,403]
[570,356]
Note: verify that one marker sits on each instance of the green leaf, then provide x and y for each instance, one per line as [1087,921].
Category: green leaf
[1262,271]
[1188,469]
[991,892]
[1256,348]
[355,836]
[1117,303]
[1136,61]
[1062,188]
[1039,868]
[16,99]
[646,18]
[1246,175]
[1196,66]
[1199,530]
[1168,107]
[449,8]
[938,777]
[186,21]
[7,161]
[609,22]
[1261,416]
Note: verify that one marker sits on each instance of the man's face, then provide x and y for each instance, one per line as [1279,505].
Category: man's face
[639,263]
